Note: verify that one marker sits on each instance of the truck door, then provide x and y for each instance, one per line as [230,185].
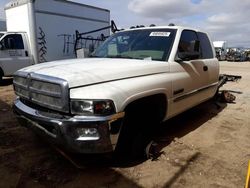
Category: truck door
[14,53]
[193,82]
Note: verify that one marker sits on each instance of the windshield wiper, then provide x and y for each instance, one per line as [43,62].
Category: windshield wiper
[91,55]
[119,56]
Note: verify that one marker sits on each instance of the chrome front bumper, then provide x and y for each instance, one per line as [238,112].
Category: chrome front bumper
[61,130]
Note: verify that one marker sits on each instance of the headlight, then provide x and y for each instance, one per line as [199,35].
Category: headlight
[92,107]
[87,134]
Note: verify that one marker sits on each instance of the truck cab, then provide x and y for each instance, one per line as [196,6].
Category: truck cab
[14,52]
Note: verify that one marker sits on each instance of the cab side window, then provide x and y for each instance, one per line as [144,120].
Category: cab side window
[206,48]
[12,42]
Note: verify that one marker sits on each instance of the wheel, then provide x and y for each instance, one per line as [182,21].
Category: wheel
[133,139]
[135,135]
[1,75]
[142,118]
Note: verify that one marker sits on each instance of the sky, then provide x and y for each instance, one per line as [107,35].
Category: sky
[224,20]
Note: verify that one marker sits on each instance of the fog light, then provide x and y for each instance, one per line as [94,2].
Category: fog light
[87,134]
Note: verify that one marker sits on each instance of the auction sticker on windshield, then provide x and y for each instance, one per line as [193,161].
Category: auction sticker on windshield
[159,34]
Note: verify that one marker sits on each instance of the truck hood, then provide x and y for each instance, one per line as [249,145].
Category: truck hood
[80,72]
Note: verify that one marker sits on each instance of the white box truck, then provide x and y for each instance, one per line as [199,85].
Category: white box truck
[221,50]
[44,30]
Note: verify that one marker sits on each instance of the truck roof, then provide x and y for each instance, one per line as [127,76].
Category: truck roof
[12,32]
[163,27]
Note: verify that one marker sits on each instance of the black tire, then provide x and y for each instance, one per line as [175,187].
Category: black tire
[135,135]
[1,75]
[142,118]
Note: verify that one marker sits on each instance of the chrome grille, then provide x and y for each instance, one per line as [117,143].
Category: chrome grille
[46,91]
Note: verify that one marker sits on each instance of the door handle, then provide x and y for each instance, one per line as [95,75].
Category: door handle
[205,68]
[26,53]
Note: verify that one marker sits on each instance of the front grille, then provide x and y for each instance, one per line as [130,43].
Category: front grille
[46,91]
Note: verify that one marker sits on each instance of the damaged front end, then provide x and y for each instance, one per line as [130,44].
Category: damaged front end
[43,105]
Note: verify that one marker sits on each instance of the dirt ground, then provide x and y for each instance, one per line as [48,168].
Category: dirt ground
[203,147]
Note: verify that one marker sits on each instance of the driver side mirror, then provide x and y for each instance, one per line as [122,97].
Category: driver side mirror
[192,52]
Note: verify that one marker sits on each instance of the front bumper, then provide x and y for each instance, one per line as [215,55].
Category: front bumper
[61,130]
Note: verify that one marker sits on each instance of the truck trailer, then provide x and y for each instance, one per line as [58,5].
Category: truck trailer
[44,30]
[221,50]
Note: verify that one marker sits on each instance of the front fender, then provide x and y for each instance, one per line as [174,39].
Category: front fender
[123,92]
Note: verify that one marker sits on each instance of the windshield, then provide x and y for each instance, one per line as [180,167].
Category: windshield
[150,44]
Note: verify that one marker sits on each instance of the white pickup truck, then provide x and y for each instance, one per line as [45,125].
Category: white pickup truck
[113,100]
